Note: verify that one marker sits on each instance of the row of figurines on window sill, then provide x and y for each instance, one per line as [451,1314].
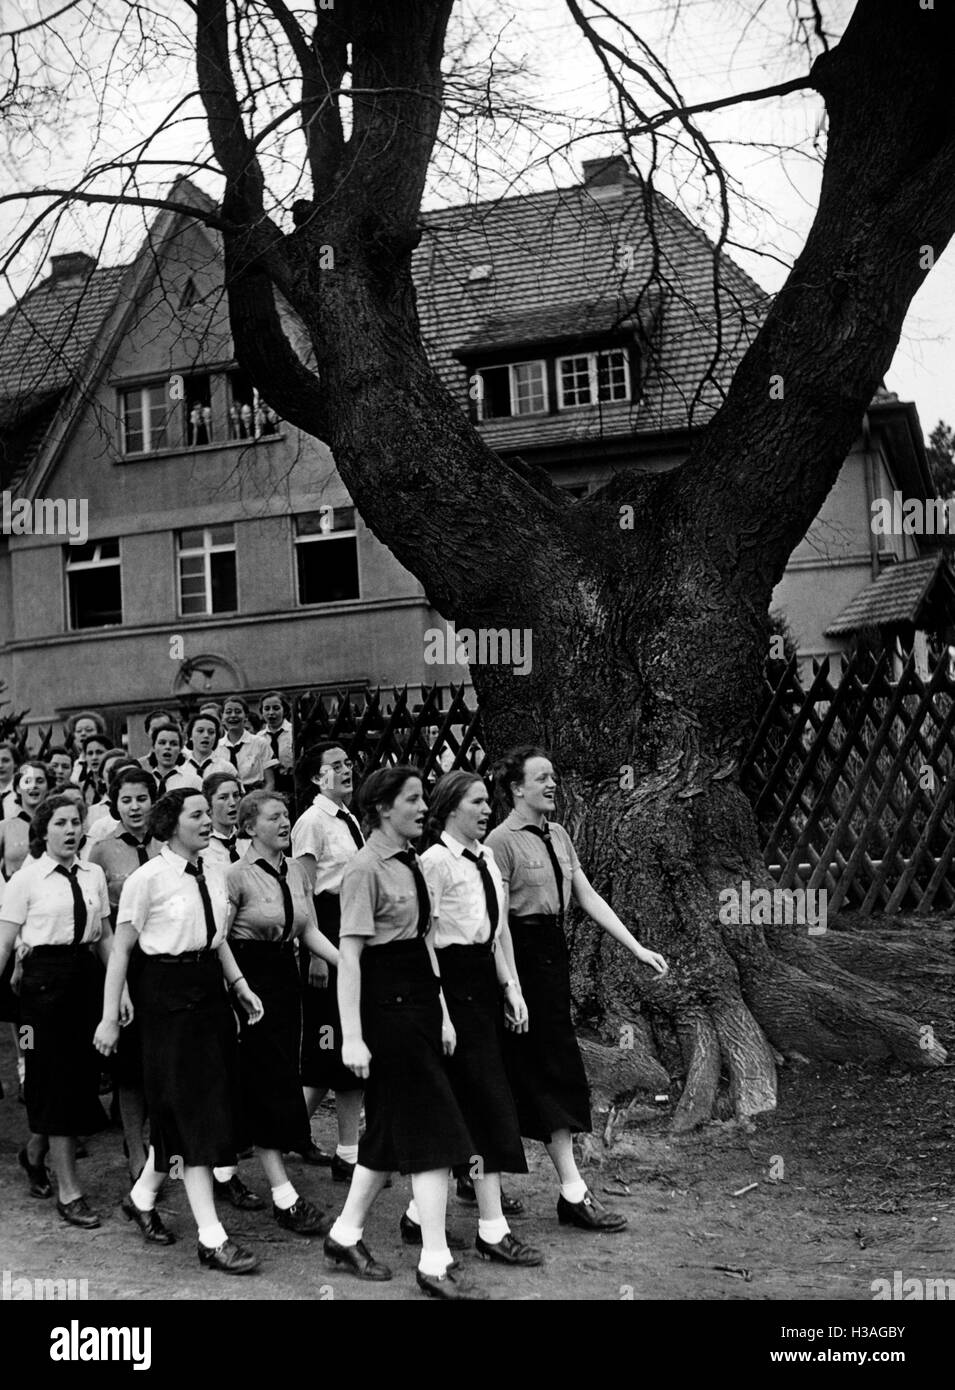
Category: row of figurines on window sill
[244,422]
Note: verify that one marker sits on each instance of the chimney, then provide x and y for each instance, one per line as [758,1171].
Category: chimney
[609,171]
[71,267]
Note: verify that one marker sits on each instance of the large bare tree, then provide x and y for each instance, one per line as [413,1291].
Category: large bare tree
[648,641]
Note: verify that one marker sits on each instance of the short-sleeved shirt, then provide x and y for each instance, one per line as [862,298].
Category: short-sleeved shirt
[118,860]
[379,898]
[40,901]
[526,868]
[282,747]
[253,754]
[217,851]
[322,833]
[161,902]
[16,843]
[101,829]
[259,907]
[199,770]
[458,903]
[179,775]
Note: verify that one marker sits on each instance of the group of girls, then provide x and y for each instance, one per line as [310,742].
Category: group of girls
[246,960]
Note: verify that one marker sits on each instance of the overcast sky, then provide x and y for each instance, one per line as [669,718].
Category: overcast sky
[712,47]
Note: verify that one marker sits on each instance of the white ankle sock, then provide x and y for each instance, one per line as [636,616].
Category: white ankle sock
[143,1196]
[412,1212]
[346,1235]
[573,1191]
[224,1174]
[347,1152]
[212,1236]
[493,1231]
[434,1262]
[284,1196]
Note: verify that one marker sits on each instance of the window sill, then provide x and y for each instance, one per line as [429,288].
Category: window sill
[190,449]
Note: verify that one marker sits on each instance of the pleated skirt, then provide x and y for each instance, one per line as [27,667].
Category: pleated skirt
[544,1064]
[413,1122]
[273,1113]
[190,1062]
[478,1074]
[61,1002]
[322,1065]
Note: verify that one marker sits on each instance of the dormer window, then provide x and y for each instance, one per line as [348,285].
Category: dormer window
[590,378]
[515,388]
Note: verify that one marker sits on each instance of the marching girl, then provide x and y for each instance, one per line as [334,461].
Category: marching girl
[60,762]
[325,838]
[469,931]
[99,810]
[396,1031]
[203,732]
[90,781]
[131,796]
[277,729]
[80,727]
[58,906]
[31,783]
[272,901]
[540,868]
[250,754]
[165,760]
[223,791]
[178,912]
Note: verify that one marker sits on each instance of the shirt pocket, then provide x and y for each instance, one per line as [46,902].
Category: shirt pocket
[396,907]
[536,872]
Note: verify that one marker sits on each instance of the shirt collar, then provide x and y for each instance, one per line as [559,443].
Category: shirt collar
[226,738]
[47,865]
[514,823]
[173,859]
[326,804]
[383,847]
[456,847]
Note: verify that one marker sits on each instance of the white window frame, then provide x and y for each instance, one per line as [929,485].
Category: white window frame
[592,360]
[512,388]
[206,550]
[327,533]
[97,562]
[148,446]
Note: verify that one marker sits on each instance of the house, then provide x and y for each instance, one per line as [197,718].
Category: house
[220,550]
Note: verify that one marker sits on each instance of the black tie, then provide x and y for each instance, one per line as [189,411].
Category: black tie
[23,815]
[274,740]
[234,855]
[232,753]
[79,903]
[282,876]
[490,893]
[196,872]
[544,834]
[141,850]
[353,830]
[408,856]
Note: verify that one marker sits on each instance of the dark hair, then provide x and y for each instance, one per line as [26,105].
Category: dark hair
[168,727]
[509,770]
[132,776]
[164,715]
[59,748]
[214,780]
[164,816]
[449,791]
[274,695]
[35,763]
[236,700]
[14,751]
[251,804]
[41,820]
[74,719]
[96,738]
[194,720]
[310,762]
[381,788]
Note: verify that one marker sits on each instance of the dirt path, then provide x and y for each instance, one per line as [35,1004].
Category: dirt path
[854,1178]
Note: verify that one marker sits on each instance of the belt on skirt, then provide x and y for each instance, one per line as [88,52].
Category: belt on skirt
[59,952]
[184,957]
[243,943]
[534,919]
[457,950]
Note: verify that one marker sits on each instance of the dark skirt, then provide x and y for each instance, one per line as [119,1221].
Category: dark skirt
[9,1003]
[544,1065]
[61,1002]
[413,1122]
[478,1075]
[127,1062]
[273,1113]
[322,1065]
[190,1065]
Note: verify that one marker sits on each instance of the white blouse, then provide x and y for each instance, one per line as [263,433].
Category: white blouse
[40,901]
[320,832]
[457,893]
[161,902]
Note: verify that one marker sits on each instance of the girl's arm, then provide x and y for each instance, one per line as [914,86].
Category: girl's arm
[603,914]
[8,935]
[355,1054]
[448,1035]
[319,944]
[106,1037]
[237,983]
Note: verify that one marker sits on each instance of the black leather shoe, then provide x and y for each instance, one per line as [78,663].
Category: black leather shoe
[341,1169]
[236,1192]
[509,1251]
[358,1259]
[40,1185]
[314,1156]
[449,1287]
[303,1218]
[589,1215]
[228,1258]
[149,1222]
[78,1213]
[510,1206]
[411,1234]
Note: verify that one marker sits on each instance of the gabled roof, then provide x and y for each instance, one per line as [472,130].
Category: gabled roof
[902,593]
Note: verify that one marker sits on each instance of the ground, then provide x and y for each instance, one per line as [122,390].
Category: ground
[862,1188]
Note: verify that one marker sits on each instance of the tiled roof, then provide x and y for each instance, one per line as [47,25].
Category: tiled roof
[897,596]
[548,254]
[582,319]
